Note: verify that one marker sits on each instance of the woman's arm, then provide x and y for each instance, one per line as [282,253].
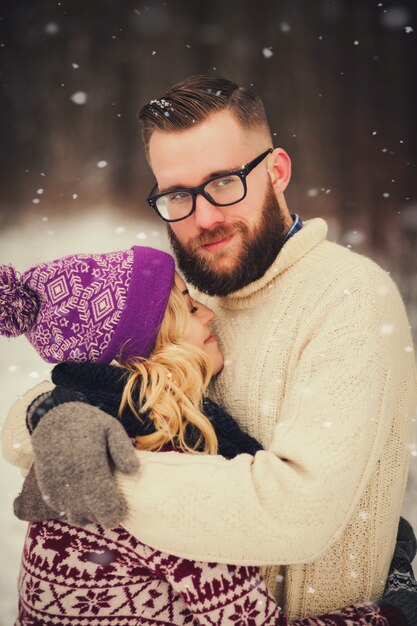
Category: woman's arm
[226,594]
[15,432]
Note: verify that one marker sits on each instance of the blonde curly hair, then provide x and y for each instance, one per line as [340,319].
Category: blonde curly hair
[169,385]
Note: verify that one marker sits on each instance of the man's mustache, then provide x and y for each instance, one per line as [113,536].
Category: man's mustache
[210,236]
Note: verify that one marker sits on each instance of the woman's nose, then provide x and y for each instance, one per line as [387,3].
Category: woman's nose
[207,315]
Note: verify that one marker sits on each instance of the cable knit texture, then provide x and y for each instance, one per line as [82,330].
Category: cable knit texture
[320,369]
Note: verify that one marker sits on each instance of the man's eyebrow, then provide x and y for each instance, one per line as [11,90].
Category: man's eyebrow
[212,175]
[185,292]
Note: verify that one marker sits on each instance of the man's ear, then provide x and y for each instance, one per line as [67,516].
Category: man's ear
[279,169]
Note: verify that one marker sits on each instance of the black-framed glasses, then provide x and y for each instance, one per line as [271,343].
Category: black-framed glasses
[221,190]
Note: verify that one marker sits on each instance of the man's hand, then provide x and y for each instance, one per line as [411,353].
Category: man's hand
[77,447]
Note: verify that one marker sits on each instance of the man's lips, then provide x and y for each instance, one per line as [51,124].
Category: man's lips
[217,245]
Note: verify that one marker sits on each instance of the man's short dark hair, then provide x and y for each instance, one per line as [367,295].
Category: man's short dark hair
[192,100]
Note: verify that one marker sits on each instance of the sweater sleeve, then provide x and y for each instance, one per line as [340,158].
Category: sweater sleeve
[15,437]
[288,504]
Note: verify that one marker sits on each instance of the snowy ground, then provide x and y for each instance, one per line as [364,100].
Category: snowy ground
[29,242]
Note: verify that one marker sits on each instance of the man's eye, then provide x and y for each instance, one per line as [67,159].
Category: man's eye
[178,197]
[223,182]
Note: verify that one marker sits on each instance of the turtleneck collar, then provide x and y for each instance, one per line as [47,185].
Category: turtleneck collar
[313,232]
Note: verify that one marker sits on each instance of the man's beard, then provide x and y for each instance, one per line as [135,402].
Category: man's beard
[258,251]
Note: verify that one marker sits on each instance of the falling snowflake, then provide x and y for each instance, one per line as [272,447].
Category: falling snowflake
[383,290]
[386,329]
[285,27]
[354,237]
[395,18]
[35,200]
[12,369]
[311,590]
[119,230]
[102,558]
[17,445]
[102,164]
[153,52]
[39,191]
[408,348]
[353,574]
[267,52]
[79,97]
[75,66]
[356,42]
[364,515]
[74,196]
[312,193]
[141,235]
[386,195]
[327,424]
[408,29]
[51,28]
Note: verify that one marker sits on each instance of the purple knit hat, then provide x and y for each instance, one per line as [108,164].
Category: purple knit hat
[89,307]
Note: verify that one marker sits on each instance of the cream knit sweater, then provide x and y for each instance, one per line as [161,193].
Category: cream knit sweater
[320,369]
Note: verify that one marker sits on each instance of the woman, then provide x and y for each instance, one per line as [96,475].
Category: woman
[85,312]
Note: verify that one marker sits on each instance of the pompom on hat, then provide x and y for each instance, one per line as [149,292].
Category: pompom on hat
[89,307]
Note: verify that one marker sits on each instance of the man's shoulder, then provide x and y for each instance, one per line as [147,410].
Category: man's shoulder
[345,265]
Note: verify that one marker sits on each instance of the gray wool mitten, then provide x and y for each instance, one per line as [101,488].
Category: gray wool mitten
[77,447]
[30,505]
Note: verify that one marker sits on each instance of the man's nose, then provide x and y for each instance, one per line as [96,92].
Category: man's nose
[207,215]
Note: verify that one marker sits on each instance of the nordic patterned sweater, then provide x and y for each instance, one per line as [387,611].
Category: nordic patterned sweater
[90,575]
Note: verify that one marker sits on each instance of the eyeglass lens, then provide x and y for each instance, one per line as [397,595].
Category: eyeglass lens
[222,191]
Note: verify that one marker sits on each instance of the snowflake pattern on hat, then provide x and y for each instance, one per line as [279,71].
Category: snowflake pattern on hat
[81,301]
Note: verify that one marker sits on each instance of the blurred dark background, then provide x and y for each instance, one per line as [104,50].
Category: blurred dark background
[338,79]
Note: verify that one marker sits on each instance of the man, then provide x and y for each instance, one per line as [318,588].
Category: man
[319,367]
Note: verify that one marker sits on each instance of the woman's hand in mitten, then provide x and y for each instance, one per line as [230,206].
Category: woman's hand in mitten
[77,447]
[30,505]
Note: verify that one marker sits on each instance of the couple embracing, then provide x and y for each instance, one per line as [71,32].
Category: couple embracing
[234,451]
